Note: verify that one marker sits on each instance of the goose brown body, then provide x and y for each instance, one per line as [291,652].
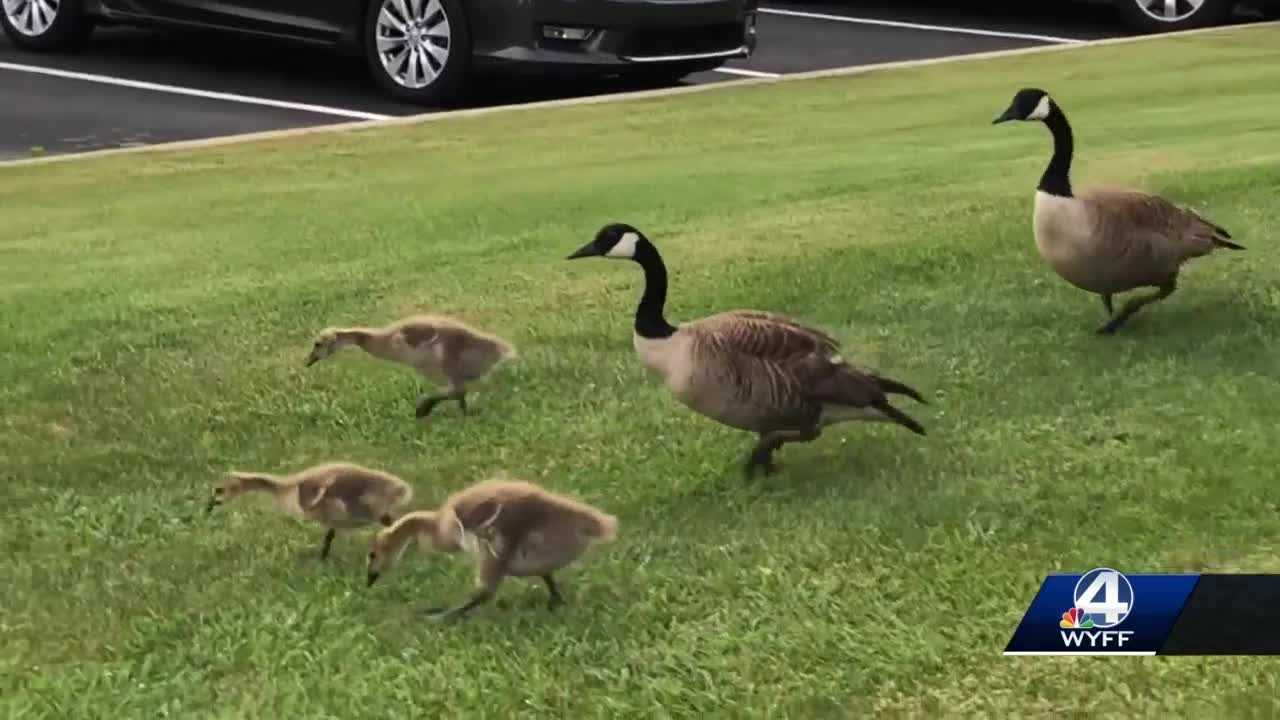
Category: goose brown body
[509,527]
[1110,241]
[762,372]
[338,495]
[443,349]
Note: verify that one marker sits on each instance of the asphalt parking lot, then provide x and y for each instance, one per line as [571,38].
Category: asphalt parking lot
[134,87]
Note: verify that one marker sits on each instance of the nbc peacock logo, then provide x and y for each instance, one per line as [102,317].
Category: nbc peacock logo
[1075,619]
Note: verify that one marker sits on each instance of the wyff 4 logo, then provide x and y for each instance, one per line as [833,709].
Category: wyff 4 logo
[1103,599]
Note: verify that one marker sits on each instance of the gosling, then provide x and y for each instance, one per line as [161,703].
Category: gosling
[509,527]
[337,495]
[443,349]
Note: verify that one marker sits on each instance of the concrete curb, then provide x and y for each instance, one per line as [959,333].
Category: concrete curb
[619,97]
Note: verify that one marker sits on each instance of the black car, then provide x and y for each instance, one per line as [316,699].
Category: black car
[425,51]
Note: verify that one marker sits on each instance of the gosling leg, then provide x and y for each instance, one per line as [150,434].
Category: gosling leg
[328,540]
[488,576]
[429,402]
[556,598]
[477,599]
[1136,304]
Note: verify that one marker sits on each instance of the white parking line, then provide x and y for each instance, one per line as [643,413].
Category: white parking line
[176,90]
[919,26]
[746,73]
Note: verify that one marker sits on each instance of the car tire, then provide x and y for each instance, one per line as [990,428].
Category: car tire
[1148,16]
[437,40]
[69,29]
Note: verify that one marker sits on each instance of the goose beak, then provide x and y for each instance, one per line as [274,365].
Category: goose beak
[1005,116]
[311,360]
[588,250]
[373,578]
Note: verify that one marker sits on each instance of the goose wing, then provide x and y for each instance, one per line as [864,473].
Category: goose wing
[835,382]
[1165,227]
[764,335]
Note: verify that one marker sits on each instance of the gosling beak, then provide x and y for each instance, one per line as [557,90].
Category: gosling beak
[588,250]
[373,578]
[311,360]
[1005,116]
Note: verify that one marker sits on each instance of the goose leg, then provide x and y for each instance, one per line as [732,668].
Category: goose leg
[762,457]
[1106,303]
[328,540]
[1136,304]
[770,442]
[556,598]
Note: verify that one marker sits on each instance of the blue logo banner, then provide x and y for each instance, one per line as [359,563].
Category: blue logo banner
[1102,612]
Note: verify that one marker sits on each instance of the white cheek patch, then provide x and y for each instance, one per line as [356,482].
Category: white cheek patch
[1042,109]
[625,247]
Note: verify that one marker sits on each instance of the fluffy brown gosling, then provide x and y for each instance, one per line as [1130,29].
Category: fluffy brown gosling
[337,495]
[509,527]
[443,349]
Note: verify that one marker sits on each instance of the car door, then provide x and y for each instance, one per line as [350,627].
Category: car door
[320,20]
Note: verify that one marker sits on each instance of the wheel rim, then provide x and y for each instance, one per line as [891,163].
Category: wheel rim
[1169,10]
[413,38]
[31,17]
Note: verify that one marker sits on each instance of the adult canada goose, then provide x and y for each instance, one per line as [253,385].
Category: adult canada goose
[336,495]
[1108,241]
[756,371]
[510,527]
[445,350]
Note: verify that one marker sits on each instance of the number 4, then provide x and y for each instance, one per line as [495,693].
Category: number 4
[1111,607]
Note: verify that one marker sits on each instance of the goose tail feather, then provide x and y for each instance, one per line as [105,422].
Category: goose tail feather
[899,417]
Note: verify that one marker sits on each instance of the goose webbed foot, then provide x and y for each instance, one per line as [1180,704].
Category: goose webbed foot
[761,458]
[427,404]
[1106,303]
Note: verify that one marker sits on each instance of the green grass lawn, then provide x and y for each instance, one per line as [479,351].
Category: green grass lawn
[157,309]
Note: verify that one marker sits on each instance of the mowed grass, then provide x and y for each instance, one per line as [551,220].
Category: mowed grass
[157,309]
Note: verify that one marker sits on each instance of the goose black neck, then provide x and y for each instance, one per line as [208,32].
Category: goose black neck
[1057,177]
[650,322]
